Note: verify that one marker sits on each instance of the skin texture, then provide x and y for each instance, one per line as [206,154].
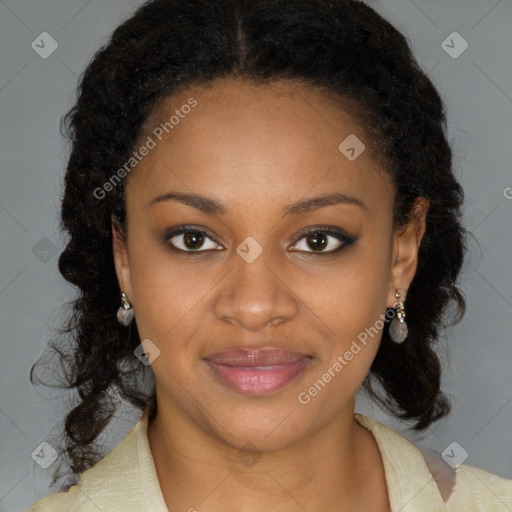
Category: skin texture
[256,149]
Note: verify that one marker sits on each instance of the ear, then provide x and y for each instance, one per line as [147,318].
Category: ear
[121,262]
[405,251]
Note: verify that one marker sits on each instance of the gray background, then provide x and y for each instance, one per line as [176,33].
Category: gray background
[36,92]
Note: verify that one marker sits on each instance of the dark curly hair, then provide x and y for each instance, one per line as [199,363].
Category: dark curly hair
[342,47]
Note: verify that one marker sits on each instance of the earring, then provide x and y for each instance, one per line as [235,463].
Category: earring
[125,312]
[398,330]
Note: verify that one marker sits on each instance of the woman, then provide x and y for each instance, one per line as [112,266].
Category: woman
[263,190]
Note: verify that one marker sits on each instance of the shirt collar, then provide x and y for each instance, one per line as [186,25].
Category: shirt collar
[411,486]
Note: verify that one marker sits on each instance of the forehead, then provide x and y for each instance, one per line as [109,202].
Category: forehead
[255,142]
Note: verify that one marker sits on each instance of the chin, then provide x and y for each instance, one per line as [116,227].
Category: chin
[269,427]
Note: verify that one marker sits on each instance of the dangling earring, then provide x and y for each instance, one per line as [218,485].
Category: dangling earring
[398,330]
[125,312]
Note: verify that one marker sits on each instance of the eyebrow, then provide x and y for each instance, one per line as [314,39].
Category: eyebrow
[214,207]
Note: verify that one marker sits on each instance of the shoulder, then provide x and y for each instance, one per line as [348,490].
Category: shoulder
[95,489]
[124,480]
[480,489]
[60,502]
[467,485]
[422,478]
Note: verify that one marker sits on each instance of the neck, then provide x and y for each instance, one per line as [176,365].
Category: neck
[199,471]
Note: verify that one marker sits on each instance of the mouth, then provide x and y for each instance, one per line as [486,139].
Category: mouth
[257,372]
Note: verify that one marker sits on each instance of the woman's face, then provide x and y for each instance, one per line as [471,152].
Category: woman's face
[252,279]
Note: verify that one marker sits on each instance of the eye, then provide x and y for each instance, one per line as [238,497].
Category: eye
[189,240]
[318,239]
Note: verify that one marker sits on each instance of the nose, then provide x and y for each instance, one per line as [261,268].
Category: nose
[257,294]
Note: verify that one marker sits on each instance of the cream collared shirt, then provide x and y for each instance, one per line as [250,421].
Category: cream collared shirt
[125,480]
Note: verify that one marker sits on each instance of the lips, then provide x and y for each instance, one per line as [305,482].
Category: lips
[257,372]
[251,358]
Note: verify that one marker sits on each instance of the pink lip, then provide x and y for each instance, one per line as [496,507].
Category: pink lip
[257,372]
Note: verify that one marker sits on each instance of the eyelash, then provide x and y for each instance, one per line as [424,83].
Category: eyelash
[335,233]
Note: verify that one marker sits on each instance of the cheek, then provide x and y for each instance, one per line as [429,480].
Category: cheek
[350,296]
[169,296]
[355,319]
[352,305]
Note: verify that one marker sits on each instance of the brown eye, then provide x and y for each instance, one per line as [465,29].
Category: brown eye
[189,240]
[317,241]
[323,241]
[193,240]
